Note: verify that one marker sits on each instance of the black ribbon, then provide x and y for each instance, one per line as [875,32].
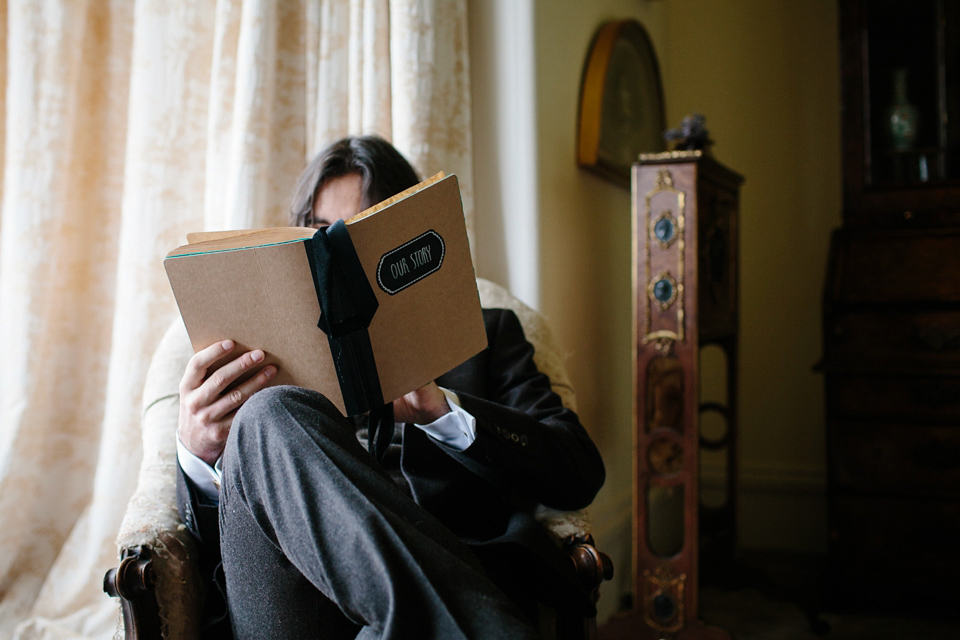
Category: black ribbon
[347,306]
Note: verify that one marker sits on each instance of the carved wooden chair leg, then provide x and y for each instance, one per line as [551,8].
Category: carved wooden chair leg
[133,581]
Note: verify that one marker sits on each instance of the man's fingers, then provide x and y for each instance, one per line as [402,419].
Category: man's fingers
[225,375]
[196,370]
[233,399]
[207,401]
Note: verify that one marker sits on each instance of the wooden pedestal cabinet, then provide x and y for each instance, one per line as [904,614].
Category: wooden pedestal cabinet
[891,327]
[685,207]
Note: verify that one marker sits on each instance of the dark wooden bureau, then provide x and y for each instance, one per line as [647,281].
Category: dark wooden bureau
[891,322]
[892,369]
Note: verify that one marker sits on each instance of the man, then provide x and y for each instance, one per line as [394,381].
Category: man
[317,537]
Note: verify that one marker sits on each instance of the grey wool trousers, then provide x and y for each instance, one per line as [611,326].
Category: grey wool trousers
[319,542]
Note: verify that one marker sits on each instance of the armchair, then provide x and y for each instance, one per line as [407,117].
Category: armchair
[157,582]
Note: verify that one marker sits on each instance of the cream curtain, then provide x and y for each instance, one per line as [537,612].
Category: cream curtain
[126,125]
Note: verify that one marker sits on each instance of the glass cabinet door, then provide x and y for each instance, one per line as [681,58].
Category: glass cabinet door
[900,90]
[911,92]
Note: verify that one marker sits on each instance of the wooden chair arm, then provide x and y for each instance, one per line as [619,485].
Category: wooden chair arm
[133,581]
[592,566]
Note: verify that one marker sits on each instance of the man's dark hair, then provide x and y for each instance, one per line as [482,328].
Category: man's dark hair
[383,172]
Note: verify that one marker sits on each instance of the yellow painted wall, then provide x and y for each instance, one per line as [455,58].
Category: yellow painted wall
[765,74]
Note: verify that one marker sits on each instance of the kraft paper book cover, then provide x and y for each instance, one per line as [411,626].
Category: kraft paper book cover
[256,287]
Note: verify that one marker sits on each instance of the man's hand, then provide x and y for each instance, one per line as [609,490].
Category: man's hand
[206,412]
[422,406]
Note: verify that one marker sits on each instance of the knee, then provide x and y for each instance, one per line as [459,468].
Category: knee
[281,421]
[267,401]
[271,413]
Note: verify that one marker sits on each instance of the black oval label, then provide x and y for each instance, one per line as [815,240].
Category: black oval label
[412,261]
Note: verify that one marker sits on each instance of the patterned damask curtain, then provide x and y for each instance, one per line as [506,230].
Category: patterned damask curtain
[126,125]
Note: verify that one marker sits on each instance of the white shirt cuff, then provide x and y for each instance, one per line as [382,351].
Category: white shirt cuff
[204,477]
[457,429]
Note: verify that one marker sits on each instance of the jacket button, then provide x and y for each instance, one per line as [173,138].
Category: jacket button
[515,437]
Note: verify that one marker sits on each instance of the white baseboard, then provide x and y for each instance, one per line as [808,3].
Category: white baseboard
[780,480]
[779,508]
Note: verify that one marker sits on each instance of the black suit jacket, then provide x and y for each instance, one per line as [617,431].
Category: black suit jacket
[529,449]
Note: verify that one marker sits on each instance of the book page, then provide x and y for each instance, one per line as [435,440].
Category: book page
[244,240]
[210,241]
[400,196]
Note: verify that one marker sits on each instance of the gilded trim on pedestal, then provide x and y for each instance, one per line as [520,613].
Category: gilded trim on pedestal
[655,223]
[682,155]
[663,184]
[674,292]
[663,608]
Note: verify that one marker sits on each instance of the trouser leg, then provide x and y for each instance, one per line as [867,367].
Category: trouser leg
[295,474]
[267,596]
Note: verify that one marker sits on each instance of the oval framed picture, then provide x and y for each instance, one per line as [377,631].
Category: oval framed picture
[621,101]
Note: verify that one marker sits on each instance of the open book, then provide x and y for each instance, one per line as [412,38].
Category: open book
[257,288]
